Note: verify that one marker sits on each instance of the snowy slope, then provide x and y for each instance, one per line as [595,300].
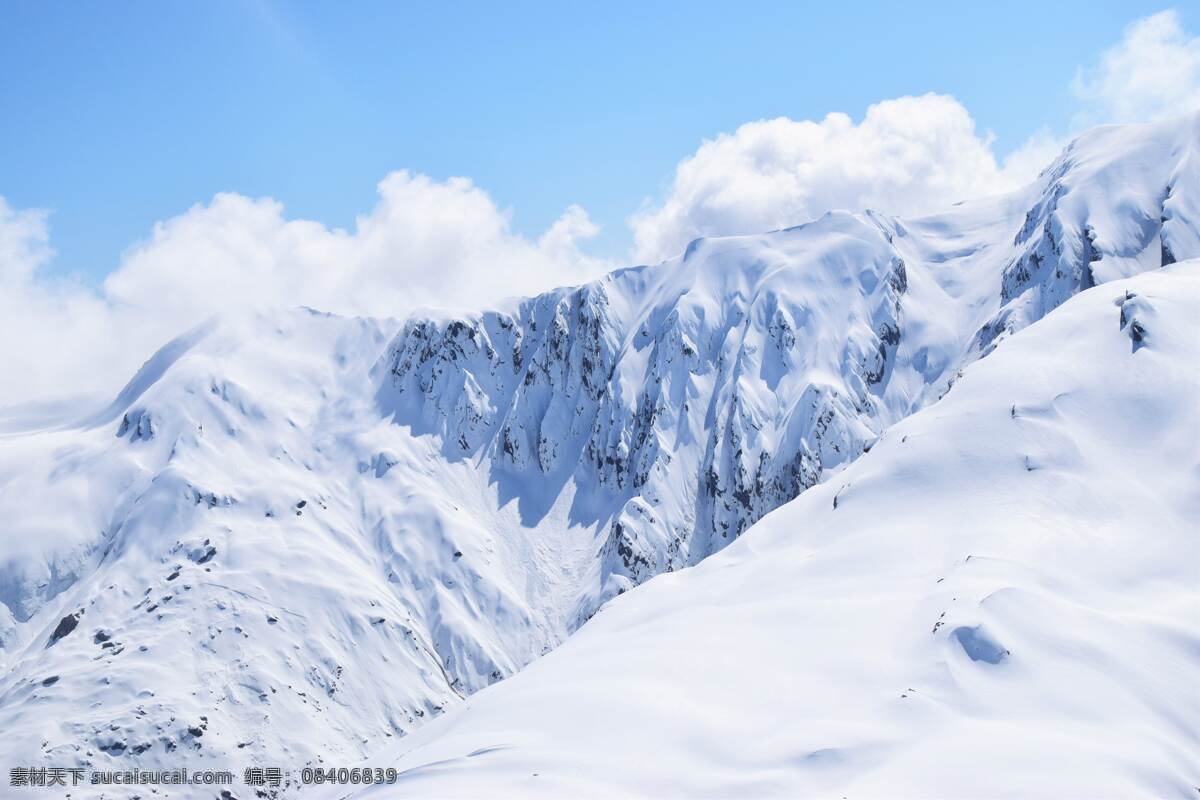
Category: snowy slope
[683,402]
[998,600]
[253,562]
[296,536]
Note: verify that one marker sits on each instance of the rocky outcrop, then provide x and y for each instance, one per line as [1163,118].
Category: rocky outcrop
[688,400]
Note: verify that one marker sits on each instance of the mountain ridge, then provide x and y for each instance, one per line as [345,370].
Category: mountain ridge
[997,600]
[401,513]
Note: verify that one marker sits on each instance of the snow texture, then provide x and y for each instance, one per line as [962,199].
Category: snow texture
[294,538]
[1002,602]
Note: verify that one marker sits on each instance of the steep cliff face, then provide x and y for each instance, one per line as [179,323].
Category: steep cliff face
[682,401]
[318,532]
[1117,202]
[689,399]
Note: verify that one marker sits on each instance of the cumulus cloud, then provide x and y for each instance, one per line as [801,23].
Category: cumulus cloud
[1152,73]
[426,242]
[24,243]
[429,242]
[55,335]
[907,156]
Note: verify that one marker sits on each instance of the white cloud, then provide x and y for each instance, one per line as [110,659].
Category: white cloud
[431,242]
[907,156]
[55,335]
[24,243]
[426,242]
[1152,73]
[561,240]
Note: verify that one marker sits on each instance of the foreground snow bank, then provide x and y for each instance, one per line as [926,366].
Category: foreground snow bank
[999,599]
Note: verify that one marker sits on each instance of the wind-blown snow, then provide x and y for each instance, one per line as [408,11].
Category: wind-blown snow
[296,537]
[998,600]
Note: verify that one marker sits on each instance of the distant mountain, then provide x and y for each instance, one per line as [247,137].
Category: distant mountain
[295,536]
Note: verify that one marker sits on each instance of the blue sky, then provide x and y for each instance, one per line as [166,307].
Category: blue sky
[120,115]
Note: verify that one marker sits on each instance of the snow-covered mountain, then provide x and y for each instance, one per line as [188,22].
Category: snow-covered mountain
[999,600]
[294,536]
